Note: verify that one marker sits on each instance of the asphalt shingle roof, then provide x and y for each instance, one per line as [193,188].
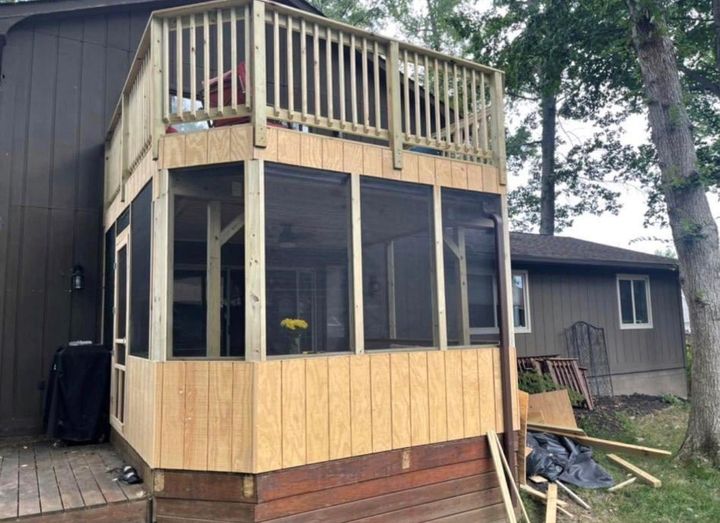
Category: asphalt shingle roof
[564,250]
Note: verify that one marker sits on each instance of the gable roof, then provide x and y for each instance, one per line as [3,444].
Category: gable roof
[562,250]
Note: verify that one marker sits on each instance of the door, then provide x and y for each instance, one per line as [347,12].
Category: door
[121,329]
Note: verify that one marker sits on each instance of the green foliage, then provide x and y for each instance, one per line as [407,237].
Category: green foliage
[368,14]
[534,383]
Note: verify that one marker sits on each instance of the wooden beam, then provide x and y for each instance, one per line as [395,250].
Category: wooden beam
[158,91]
[498,126]
[356,296]
[394,104]
[259,81]
[492,441]
[637,471]
[440,311]
[391,301]
[162,268]
[464,300]
[255,334]
[232,228]
[213,286]
[623,484]
[580,501]
[510,476]
[545,427]
[621,447]
[551,508]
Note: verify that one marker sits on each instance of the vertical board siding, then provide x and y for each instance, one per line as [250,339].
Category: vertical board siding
[559,298]
[262,416]
[61,81]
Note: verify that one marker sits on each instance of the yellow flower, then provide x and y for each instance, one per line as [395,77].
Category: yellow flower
[292,324]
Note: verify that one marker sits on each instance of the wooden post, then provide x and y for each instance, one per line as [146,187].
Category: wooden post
[464,301]
[391,302]
[213,287]
[158,92]
[498,127]
[440,315]
[395,104]
[356,298]
[258,84]
[125,151]
[162,268]
[255,333]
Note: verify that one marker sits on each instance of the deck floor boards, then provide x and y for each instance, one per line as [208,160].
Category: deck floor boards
[40,478]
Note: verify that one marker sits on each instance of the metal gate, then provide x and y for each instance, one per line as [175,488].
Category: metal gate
[586,342]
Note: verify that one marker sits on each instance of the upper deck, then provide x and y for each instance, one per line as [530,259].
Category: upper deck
[240,61]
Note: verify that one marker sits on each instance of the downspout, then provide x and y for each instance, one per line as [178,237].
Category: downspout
[505,360]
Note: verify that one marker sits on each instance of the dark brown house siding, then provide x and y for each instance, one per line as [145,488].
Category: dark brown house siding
[60,81]
[560,296]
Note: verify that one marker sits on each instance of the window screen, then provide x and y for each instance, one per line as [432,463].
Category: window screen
[634,300]
[140,223]
[109,295]
[398,264]
[307,244]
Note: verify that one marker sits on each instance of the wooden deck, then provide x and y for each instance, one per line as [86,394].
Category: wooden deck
[43,482]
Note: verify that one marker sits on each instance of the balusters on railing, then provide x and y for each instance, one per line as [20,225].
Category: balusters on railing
[290,73]
[329,74]
[316,72]
[276,63]
[353,83]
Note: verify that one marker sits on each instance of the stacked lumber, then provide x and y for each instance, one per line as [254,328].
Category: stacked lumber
[564,372]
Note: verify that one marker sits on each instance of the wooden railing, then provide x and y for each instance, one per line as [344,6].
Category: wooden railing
[255,60]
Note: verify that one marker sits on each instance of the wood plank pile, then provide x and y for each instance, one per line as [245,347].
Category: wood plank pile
[551,412]
[564,372]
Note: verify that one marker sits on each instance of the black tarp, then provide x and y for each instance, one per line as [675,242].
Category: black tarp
[78,394]
[557,457]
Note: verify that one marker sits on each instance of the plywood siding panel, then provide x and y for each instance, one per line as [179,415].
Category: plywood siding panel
[471,393]
[426,169]
[220,415]
[173,416]
[196,415]
[293,413]
[443,172]
[460,175]
[267,419]
[353,157]
[419,399]
[270,151]
[454,386]
[332,155]
[437,396]
[381,402]
[490,179]
[486,383]
[242,417]
[311,151]
[360,405]
[339,401]
[288,146]
[498,389]
[475,177]
[410,168]
[388,169]
[317,410]
[173,151]
[218,144]
[400,388]
[372,160]
[241,142]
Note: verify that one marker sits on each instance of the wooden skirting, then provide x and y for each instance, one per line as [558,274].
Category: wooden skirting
[127,512]
[451,481]
[234,144]
[252,417]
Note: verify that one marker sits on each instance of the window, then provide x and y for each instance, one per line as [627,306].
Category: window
[521,301]
[397,264]
[307,245]
[634,301]
[470,258]
[209,204]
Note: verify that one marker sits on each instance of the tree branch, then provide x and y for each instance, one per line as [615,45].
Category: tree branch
[700,80]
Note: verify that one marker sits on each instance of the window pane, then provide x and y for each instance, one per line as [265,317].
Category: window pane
[197,192]
[626,308]
[470,266]
[519,305]
[641,305]
[307,244]
[397,263]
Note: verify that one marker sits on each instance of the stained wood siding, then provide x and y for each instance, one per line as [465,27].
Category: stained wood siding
[261,416]
[559,297]
[61,80]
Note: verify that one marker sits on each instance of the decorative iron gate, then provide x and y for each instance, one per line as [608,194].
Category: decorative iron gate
[586,342]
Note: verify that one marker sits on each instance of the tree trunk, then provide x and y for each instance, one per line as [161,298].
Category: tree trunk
[694,230]
[548,106]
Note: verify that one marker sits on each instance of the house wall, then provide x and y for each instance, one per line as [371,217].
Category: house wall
[560,296]
[61,78]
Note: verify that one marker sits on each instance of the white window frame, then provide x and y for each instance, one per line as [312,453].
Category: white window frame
[648,300]
[496,328]
[526,298]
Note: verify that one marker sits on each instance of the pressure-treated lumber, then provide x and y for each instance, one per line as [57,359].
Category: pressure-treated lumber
[495,453]
[637,471]
[544,427]
[573,496]
[551,507]
[623,484]
[510,475]
[621,447]
[537,494]
[523,399]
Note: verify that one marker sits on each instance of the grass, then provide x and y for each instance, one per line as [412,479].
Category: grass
[689,492]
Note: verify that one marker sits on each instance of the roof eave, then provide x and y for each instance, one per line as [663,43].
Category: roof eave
[669,266]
